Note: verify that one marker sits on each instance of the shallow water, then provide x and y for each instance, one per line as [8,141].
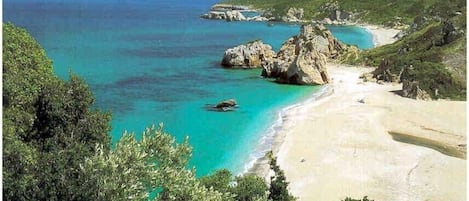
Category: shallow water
[157,61]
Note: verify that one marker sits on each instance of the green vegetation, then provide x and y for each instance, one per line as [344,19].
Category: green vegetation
[372,11]
[433,55]
[364,199]
[278,184]
[47,123]
[57,148]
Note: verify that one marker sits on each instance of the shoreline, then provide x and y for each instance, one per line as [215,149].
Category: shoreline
[339,147]
[381,35]
[334,146]
[259,164]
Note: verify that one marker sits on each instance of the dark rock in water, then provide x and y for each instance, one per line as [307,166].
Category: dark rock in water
[223,106]
[227,103]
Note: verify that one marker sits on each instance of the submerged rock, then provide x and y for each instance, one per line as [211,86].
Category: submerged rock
[251,55]
[223,106]
[227,103]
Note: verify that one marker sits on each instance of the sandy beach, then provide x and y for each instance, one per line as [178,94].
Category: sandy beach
[381,36]
[366,140]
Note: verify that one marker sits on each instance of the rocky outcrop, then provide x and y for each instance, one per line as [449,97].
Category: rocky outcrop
[234,15]
[411,89]
[383,72]
[230,15]
[226,12]
[336,15]
[214,15]
[302,58]
[227,7]
[293,15]
[251,55]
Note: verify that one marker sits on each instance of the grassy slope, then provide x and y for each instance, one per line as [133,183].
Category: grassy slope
[437,63]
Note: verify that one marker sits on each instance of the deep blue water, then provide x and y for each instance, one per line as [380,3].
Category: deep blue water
[157,61]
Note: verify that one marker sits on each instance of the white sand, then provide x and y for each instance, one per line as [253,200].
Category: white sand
[348,151]
[381,36]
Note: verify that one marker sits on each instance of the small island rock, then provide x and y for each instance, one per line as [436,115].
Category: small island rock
[227,103]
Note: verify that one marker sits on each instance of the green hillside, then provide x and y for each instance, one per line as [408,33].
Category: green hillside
[434,54]
[370,11]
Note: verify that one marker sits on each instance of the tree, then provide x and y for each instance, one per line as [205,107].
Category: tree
[156,162]
[49,126]
[219,181]
[250,188]
[278,184]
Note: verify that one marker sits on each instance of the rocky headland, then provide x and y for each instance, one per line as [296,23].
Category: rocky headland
[230,13]
[301,59]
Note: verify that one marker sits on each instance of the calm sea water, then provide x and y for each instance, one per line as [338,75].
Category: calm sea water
[157,61]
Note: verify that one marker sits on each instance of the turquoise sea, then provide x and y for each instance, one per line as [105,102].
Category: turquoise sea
[157,61]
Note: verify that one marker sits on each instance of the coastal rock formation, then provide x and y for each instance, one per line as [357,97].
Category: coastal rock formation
[227,7]
[228,12]
[336,15]
[302,58]
[214,15]
[234,15]
[411,89]
[251,55]
[231,15]
[293,15]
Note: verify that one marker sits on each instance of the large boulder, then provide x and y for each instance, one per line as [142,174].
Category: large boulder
[251,55]
[383,72]
[302,58]
[411,89]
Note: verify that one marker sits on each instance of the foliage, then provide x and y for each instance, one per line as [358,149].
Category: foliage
[351,199]
[134,168]
[278,184]
[249,188]
[421,54]
[48,127]
[219,181]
